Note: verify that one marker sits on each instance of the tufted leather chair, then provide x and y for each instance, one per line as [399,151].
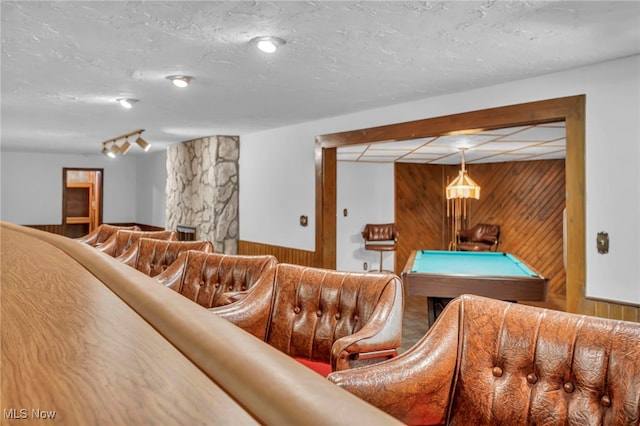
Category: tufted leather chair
[120,242]
[482,237]
[327,320]
[151,256]
[380,237]
[212,279]
[489,362]
[103,232]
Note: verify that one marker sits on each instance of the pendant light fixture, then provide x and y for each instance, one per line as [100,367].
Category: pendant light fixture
[463,186]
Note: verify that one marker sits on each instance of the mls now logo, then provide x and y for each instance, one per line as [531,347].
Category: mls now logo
[23,413]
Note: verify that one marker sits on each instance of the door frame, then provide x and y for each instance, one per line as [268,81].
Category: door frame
[570,110]
[99,192]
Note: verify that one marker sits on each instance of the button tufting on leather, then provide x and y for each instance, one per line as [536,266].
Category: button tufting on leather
[532,378]
[217,285]
[497,371]
[338,316]
[296,309]
[605,401]
[244,287]
[568,387]
[319,313]
[202,283]
[355,317]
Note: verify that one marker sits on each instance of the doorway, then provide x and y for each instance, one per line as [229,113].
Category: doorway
[569,110]
[81,201]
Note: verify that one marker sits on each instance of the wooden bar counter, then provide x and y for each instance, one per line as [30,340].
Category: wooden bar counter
[87,340]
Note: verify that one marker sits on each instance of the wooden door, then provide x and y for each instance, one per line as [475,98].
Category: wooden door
[81,201]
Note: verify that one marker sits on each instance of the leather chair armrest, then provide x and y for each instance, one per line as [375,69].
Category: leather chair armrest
[464,234]
[232,296]
[378,339]
[415,386]
[129,257]
[252,313]
[89,238]
[109,246]
[172,276]
[491,239]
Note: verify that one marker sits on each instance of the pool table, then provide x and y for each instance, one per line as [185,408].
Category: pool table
[449,274]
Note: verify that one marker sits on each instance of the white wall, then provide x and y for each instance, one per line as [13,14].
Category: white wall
[151,172]
[277,168]
[366,190]
[31,186]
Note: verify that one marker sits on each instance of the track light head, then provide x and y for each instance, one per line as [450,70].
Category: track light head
[143,144]
[110,151]
[125,147]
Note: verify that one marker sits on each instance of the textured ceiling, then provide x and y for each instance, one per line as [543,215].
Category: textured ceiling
[65,63]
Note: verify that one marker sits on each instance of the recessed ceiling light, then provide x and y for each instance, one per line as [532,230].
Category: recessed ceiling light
[268,44]
[127,102]
[180,80]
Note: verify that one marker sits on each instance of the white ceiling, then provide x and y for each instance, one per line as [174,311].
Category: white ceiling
[64,63]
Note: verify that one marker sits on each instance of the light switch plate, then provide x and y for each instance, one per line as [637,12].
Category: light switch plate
[602,242]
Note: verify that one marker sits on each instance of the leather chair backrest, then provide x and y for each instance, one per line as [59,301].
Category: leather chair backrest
[523,365]
[103,232]
[313,307]
[120,242]
[379,232]
[151,256]
[478,232]
[206,277]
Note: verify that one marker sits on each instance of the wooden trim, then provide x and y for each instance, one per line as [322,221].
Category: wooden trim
[570,109]
[283,254]
[77,220]
[326,200]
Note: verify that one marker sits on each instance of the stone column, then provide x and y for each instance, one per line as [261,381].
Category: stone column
[202,189]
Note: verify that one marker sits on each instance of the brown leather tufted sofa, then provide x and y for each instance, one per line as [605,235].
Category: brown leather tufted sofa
[327,320]
[489,362]
[103,232]
[210,278]
[119,243]
[151,256]
[481,237]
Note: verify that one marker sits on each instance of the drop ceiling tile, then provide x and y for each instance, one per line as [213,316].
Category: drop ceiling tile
[378,158]
[537,134]
[347,156]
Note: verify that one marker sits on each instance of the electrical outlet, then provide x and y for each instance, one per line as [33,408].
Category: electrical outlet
[365,266]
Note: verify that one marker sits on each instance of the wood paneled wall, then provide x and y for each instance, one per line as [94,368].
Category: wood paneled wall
[525,198]
[59,229]
[283,254]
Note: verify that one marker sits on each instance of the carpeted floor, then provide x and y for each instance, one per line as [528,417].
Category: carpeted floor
[414,323]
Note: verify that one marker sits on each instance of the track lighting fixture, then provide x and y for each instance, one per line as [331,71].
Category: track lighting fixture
[127,102]
[268,44]
[180,80]
[110,147]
